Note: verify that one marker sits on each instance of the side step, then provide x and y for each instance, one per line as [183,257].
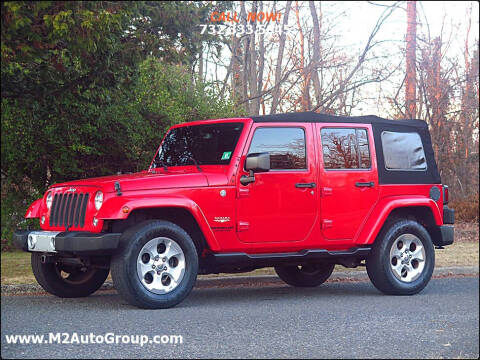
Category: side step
[299,257]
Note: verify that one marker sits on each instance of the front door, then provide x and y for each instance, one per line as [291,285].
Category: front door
[281,204]
[348,179]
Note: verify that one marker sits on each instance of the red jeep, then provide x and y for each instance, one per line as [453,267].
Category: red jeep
[300,192]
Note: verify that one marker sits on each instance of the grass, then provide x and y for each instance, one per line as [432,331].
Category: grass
[15,266]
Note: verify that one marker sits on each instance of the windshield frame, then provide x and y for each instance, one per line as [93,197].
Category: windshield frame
[236,150]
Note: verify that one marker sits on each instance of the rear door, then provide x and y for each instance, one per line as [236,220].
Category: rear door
[348,178]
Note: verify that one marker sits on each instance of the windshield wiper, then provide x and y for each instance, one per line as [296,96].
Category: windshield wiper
[196,163]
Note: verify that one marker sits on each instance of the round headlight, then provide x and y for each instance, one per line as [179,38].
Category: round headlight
[49,200]
[98,200]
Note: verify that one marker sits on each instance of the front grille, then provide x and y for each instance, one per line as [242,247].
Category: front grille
[69,210]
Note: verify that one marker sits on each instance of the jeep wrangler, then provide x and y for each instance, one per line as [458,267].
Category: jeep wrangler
[299,192]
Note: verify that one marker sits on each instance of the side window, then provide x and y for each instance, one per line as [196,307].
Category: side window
[403,151]
[363,149]
[286,146]
[345,148]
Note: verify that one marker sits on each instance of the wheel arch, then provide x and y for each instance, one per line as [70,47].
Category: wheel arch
[180,211]
[423,210]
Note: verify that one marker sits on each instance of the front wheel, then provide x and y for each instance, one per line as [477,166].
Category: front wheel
[67,281]
[402,259]
[308,275]
[156,266]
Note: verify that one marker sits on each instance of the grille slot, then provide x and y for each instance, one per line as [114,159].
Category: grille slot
[69,210]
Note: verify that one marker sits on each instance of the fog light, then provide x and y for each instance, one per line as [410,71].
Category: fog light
[43,219]
[95,221]
[32,242]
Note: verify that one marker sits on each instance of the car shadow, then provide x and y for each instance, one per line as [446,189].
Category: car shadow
[239,294]
[109,300]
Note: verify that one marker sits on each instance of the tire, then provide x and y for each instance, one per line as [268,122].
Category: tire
[309,275]
[395,266]
[161,244]
[78,283]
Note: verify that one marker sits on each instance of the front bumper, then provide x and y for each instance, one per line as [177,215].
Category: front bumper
[75,242]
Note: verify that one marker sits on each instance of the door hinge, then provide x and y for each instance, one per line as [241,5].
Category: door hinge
[243,192]
[242,225]
[327,223]
[326,191]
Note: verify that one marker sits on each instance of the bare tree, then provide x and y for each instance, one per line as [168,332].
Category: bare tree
[347,83]
[316,47]
[410,80]
[278,68]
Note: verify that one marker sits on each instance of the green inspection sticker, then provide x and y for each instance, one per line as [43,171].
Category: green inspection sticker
[226,155]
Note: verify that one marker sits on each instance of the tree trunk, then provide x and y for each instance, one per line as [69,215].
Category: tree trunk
[236,62]
[305,99]
[316,49]
[261,66]
[200,66]
[466,94]
[410,81]
[278,68]
[246,57]
[252,83]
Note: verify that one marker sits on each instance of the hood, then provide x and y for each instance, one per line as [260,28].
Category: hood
[146,180]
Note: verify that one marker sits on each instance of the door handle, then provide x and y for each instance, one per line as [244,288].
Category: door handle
[305,185]
[365,184]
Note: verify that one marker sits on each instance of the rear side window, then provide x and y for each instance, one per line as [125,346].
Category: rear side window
[403,151]
[345,148]
[286,147]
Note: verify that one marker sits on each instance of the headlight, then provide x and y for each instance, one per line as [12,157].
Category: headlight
[98,200]
[49,200]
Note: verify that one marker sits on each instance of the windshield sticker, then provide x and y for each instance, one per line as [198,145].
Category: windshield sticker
[226,155]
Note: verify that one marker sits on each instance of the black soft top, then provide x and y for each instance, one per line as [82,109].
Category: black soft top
[311,116]
[379,125]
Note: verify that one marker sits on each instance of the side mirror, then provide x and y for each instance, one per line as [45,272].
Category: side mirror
[254,163]
[258,162]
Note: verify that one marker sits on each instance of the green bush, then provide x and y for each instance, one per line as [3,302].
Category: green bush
[93,133]
[88,90]
[15,200]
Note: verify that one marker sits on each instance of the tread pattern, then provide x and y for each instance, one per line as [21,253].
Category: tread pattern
[124,274]
[47,277]
[378,261]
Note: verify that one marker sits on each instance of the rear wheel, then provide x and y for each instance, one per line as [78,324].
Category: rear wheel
[67,281]
[308,275]
[402,259]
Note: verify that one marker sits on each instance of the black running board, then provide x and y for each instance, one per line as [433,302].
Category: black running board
[299,257]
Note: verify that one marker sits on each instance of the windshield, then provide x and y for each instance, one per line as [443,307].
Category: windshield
[211,144]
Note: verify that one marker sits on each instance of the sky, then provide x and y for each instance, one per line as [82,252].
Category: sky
[448,18]
[361,17]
